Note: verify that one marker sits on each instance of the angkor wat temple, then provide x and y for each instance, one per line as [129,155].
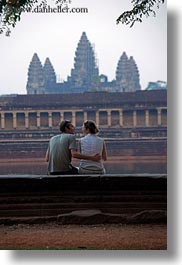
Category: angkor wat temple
[84,76]
[133,121]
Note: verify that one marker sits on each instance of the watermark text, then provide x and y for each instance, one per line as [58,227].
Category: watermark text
[57,9]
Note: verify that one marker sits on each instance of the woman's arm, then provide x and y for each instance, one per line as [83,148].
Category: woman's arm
[79,146]
[47,156]
[104,152]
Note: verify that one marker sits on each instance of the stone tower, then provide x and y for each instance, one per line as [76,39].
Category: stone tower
[134,80]
[122,73]
[85,74]
[35,83]
[49,76]
[127,75]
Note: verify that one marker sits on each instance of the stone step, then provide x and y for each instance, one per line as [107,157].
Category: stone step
[51,198]
[43,197]
[92,216]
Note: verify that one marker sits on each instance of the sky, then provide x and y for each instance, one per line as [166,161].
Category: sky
[56,35]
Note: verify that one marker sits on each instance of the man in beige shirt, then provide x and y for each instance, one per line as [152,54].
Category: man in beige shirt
[62,148]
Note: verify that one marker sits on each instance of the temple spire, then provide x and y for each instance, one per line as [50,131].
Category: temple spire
[35,83]
[134,81]
[122,73]
[85,72]
[49,75]
[127,74]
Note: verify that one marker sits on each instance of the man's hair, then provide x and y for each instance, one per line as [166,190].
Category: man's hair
[64,124]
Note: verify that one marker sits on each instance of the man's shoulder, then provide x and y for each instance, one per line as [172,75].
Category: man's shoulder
[63,138]
[69,135]
[55,136]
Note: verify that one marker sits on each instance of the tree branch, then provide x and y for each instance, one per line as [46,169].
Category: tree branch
[140,8]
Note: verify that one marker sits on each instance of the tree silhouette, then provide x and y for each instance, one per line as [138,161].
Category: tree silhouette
[11,10]
[140,8]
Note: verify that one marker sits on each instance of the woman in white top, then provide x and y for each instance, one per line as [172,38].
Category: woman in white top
[92,144]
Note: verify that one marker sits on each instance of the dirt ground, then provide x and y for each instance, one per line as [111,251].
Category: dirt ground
[80,237]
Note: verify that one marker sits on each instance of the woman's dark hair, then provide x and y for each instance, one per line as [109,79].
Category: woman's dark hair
[64,124]
[91,126]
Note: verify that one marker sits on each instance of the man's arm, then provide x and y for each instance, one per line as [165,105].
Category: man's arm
[77,155]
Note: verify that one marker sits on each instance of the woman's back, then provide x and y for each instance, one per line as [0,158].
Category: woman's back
[91,144]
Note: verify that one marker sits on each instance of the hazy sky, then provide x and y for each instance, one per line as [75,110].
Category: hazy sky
[56,35]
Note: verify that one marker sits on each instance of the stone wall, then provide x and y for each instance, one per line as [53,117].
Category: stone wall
[118,148]
[109,110]
[83,199]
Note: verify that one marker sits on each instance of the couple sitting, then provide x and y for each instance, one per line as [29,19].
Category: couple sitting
[63,147]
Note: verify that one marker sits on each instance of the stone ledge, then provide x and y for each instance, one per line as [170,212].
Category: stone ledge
[31,176]
[89,217]
[83,199]
[97,184]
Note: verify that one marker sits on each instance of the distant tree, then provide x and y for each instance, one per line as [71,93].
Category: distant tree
[140,8]
[11,10]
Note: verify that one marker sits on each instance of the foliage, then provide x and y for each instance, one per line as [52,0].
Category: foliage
[11,10]
[140,8]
